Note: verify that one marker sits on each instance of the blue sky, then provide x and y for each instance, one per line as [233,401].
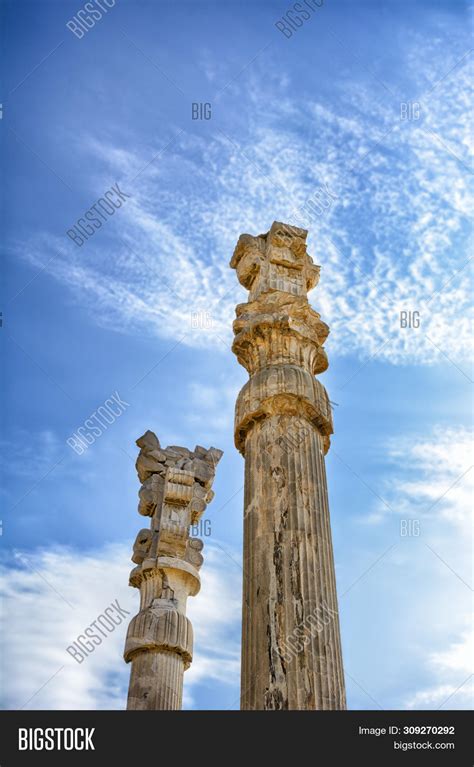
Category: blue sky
[321,110]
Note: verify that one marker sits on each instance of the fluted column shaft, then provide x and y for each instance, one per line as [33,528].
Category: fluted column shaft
[291,654]
[144,693]
[160,637]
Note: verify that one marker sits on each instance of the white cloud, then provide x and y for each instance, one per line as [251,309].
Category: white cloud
[51,596]
[457,658]
[429,476]
[396,239]
[428,486]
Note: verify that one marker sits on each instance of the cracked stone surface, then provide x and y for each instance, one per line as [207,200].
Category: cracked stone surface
[291,648]
[176,488]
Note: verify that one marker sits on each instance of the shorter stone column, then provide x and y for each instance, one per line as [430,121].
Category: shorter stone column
[175,491]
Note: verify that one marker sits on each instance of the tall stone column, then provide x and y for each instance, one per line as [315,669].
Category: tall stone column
[291,648]
[176,488]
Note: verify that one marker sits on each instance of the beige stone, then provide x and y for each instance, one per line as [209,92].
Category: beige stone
[159,642]
[291,649]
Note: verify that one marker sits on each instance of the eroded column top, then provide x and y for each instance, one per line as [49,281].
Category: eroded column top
[277,260]
[277,325]
[175,491]
[278,337]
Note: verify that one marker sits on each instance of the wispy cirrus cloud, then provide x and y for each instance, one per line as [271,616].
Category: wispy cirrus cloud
[429,476]
[395,238]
